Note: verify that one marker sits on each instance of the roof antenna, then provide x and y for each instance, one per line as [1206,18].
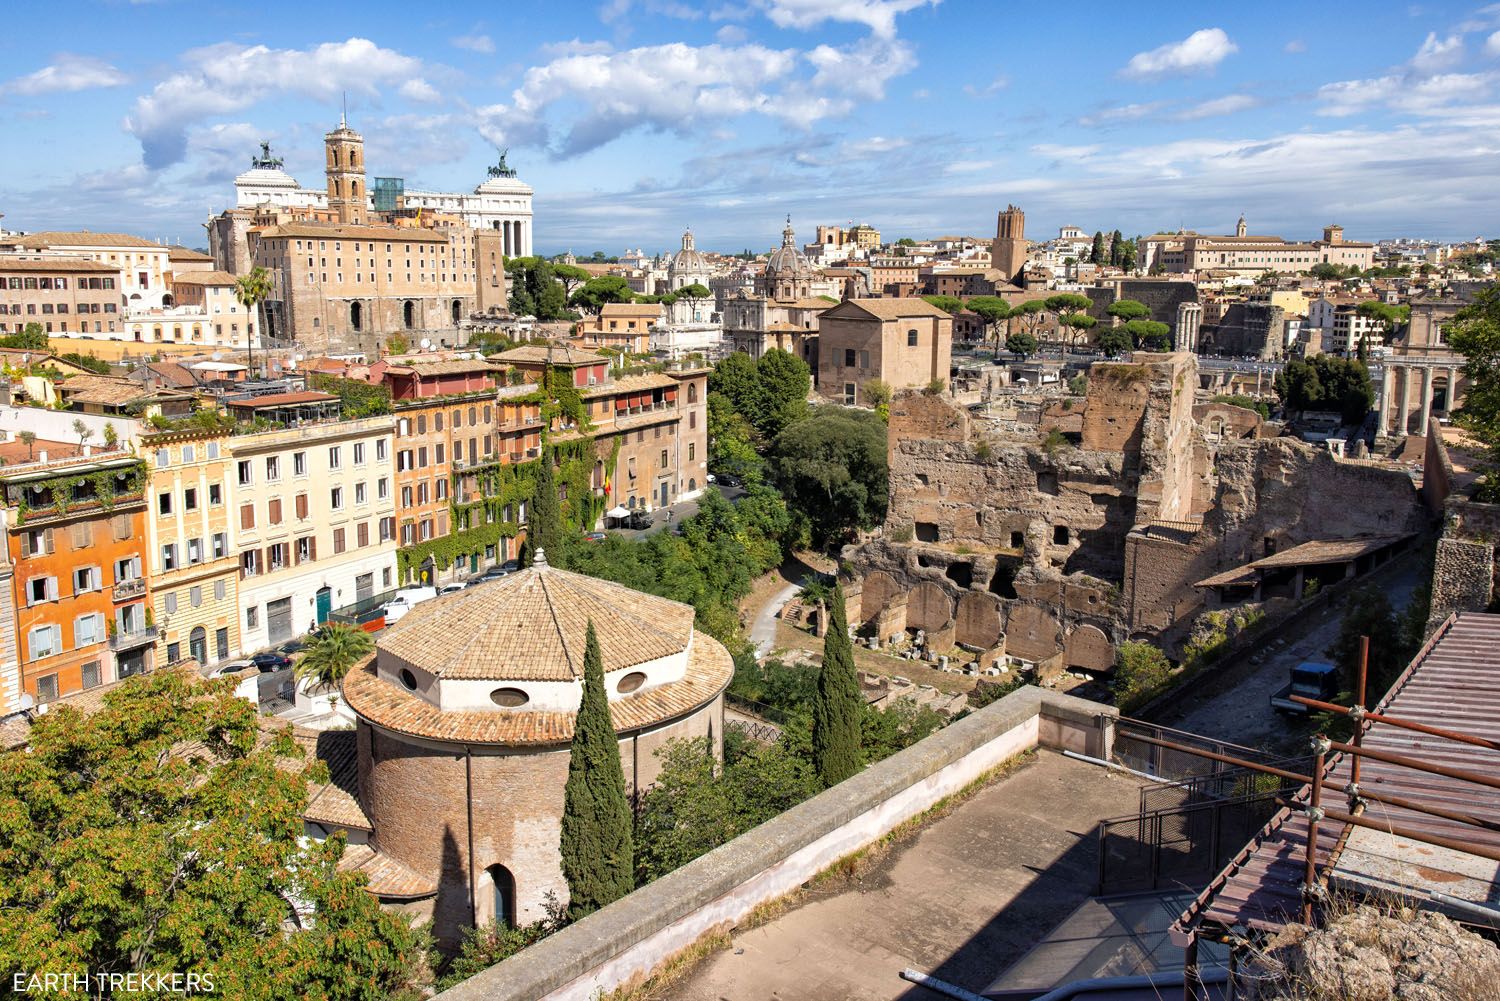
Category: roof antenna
[344,115]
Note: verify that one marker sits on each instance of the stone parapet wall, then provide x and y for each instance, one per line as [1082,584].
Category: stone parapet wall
[1464,572]
[630,938]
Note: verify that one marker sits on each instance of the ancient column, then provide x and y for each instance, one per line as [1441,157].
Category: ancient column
[1451,403]
[1426,399]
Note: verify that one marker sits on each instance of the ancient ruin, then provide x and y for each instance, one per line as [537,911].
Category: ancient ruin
[1051,534]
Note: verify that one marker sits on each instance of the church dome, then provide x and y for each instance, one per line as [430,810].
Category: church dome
[688,259]
[787,261]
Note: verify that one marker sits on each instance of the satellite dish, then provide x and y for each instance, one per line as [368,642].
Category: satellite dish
[426,343]
[28,702]
[217,356]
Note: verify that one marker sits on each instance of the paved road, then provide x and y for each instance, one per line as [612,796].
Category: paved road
[763,632]
[1235,705]
[675,514]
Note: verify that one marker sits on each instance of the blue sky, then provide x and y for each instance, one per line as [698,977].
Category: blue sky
[635,118]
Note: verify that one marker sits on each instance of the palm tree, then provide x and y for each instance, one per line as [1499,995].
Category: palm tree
[28,438]
[333,652]
[251,290]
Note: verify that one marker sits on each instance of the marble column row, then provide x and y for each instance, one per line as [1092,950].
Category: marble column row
[1395,407]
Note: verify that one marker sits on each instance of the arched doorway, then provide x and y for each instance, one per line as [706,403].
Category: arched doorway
[356,317]
[198,644]
[409,314]
[456,307]
[324,604]
[502,895]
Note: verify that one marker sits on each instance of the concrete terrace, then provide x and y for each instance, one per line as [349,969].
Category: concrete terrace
[962,899]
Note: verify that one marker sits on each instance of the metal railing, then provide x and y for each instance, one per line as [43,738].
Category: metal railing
[127,589]
[141,636]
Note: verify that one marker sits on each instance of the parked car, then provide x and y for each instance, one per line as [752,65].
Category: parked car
[269,660]
[638,520]
[594,537]
[511,566]
[493,573]
[405,600]
[728,480]
[454,588]
[233,667]
[1311,679]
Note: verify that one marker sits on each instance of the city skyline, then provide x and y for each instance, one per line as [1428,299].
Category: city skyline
[638,119]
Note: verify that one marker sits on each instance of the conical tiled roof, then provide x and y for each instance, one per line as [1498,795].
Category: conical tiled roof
[531,626]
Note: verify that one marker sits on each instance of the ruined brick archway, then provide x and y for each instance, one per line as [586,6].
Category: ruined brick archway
[928,607]
[879,587]
[979,623]
[1032,633]
[1088,648]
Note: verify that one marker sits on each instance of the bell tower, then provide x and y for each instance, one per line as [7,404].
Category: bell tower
[1008,252]
[347,196]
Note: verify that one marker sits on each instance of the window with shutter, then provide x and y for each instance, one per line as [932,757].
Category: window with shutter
[121,527]
[91,674]
[362,534]
[247,516]
[273,511]
[46,688]
[301,506]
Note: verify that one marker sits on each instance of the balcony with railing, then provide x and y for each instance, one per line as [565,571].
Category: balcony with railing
[127,589]
[136,636]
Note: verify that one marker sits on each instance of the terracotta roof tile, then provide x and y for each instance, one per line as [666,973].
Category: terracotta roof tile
[336,801]
[709,671]
[387,877]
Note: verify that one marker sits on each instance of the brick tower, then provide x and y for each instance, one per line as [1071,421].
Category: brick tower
[346,174]
[1008,252]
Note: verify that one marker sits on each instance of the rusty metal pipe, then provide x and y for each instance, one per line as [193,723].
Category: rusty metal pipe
[1401,831]
[1226,759]
[1359,700]
[1406,761]
[1404,724]
[1314,814]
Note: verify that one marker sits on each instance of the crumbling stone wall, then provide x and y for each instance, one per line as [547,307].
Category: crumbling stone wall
[1466,571]
[1164,491]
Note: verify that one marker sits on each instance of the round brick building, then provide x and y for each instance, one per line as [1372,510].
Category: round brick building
[465,719]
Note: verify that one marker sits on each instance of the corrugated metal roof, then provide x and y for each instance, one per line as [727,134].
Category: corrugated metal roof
[1453,683]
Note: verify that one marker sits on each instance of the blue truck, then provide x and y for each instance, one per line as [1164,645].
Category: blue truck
[1311,679]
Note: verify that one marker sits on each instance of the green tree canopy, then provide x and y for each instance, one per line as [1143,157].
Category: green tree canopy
[785,381]
[1022,344]
[1474,332]
[1116,245]
[832,467]
[31,337]
[947,303]
[571,276]
[1128,309]
[544,523]
[535,290]
[731,440]
[839,704]
[1149,335]
[332,652]
[1326,382]
[1115,341]
[695,291]
[598,859]
[598,292]
[1096,253]
[1067,302]
[164,833]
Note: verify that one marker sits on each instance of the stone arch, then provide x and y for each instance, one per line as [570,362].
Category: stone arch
[1032,633]
[979,623]
[928,607]
[1088,648]
[879,588]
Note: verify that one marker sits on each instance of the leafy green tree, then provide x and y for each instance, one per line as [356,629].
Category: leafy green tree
[947,303]
[30,338]
[1474,332]
[332,652]
[1150,335]
[535,290]
[1369,613]
[1080,324]
[1128,254]
[250,290]
[1326,382]
[1128,309]
[1116,245]
[1391,319]
[1140,672]
[906,241]
[838,709]
[544,524]
[1031,313]
[737,380]
[571,276]
[832,468]
[1022,344]
[993,311]
[878,394]
[695,292]
[1096,253]
[496,942]
[1115,341]
[883,732]
[731,440]
[1248,402]
[597,855]
[596,293]
[28,438]
[91,362]
[785,380]
[164,832]
[1068,302]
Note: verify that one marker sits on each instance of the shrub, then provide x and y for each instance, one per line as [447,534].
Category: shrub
[1141,672]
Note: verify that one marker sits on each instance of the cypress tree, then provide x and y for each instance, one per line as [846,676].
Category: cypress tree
[544,519]
[1096,252]
[597,853]
[1116,244]
[838,707]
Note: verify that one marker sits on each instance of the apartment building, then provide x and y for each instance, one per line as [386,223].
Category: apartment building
[142,267]
[905,343]
[66,296]
[76,546]
[194,570]
[313,523]
[624,326]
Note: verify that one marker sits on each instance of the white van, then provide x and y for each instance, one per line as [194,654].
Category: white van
[405,600]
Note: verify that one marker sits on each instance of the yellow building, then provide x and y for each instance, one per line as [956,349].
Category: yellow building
[194,569]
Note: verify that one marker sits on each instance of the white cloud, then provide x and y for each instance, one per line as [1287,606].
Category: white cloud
[1438,54]
[228,77]
[1226,105]
[996,85]
[1398,92]
[1492,45]
[1056,151]
[417,89]
[575,47]
[731,34]
[474,43]
[968,166]
[863,68]
[1199,52]
[67,74]
[1294,46]
[877,15]
[1122,113]
[877,144]
[672,87]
